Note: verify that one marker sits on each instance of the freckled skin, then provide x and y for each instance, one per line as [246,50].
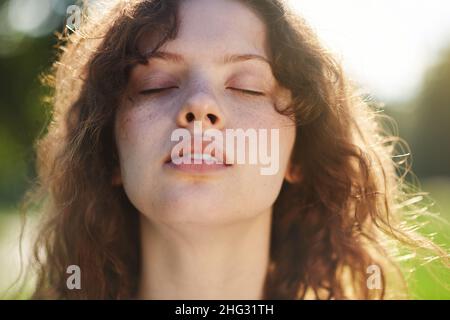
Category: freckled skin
[144,123]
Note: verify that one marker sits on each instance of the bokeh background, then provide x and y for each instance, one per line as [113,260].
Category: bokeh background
[398,51]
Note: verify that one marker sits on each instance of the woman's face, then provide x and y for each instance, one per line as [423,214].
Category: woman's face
[201,85]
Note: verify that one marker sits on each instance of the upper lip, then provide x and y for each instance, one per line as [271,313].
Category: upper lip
[217,149]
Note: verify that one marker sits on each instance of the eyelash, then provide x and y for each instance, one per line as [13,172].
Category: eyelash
[159,90]
[249,92]
[155,91]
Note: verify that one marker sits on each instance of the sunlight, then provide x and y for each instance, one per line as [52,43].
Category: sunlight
[385,45]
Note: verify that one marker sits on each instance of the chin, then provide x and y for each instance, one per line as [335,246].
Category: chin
[201,211]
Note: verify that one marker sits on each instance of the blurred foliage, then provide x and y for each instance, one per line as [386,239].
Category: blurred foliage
[424,122]
[24,56]
[21,114]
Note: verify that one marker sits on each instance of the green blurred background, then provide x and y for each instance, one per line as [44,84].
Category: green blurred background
[27,49]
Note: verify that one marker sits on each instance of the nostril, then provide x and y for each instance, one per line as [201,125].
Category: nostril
[190,117]
[212,118]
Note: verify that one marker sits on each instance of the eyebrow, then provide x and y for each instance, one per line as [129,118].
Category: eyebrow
[227,59]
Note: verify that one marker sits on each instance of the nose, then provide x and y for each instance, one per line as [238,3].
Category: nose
[203,107]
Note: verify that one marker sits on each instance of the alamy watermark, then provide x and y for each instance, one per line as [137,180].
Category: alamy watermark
[73,17]
[374,280]
[74,280]
[235,146]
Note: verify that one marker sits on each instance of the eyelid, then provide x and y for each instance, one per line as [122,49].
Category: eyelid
[156,90]
[241,82]
[248,91]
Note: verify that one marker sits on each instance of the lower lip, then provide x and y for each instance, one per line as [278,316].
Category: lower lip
[198,168]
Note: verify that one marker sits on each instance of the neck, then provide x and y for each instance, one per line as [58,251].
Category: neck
[204,261]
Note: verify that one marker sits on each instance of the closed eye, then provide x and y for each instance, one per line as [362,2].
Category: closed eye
[155,90]
[249,92]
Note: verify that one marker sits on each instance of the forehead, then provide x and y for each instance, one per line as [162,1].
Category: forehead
[210,28]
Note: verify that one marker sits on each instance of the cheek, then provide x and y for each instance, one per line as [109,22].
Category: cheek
[261,191]
[137,128]
[261,114]
[131,123]
[128,131]
[138,140]
[137,137]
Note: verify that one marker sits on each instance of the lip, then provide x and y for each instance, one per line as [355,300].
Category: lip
[201,163]
[197,168]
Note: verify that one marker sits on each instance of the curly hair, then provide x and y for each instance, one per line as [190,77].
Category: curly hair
[341,217]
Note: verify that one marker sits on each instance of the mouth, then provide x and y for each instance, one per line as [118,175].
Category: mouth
[198,162]
[195,158]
